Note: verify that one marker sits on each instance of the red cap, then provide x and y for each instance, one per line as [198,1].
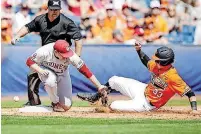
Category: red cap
[63,48]
[125,6]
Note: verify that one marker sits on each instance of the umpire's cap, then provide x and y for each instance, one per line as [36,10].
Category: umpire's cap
[54,4]
[63,48]
[164,56]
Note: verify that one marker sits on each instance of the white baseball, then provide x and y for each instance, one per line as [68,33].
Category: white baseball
[16,98]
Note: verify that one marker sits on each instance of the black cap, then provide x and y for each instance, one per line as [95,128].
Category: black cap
[54,4]
[164,56]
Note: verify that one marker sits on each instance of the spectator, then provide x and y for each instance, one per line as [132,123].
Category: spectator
[149,29]
[21,18]
[81,7]
[118,4]
[132,29]
[88,38]
[122,16]
[117,37]
[100,4]
[151,33]
[159,22]
[126,11]
[42,10]
[110,20]
[197,39]
[5,36]
[13,2]
[36,4]
[85,23]
[100,31]
[172,19]
[7,11]
[7,15]
[138,6]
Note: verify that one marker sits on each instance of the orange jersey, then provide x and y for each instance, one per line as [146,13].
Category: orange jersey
[164,85]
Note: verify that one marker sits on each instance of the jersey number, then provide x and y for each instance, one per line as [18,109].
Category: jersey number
[157,93]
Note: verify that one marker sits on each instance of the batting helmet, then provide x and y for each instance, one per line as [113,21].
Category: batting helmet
[164,56]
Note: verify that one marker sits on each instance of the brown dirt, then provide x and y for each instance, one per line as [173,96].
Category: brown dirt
[167,112]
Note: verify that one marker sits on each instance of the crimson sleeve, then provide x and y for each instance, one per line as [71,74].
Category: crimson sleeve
[85,71]
[30,62]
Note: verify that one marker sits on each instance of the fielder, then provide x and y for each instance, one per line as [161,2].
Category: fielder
[52,26]
[164,83]
[51,63]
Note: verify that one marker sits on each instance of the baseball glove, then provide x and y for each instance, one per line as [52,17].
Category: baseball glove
[93,97]
[90,97]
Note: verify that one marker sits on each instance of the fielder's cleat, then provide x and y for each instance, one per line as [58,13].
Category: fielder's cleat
[57,107]
[91,97]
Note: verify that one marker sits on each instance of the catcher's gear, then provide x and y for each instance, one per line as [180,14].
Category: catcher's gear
[164,56]
[33,89]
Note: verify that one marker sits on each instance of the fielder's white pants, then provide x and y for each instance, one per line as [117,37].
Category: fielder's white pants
[134,90]
[58,87]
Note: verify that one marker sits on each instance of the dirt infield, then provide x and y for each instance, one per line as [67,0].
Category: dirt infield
[166,112]
[169,113]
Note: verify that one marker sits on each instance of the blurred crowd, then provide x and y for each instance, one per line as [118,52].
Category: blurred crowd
[114,21]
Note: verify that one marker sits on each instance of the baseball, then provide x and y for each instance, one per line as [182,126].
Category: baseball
[16,98]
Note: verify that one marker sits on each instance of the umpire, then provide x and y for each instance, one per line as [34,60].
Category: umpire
[52,26]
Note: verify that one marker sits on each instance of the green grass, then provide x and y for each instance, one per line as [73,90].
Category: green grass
[12,104]
[63,125]
[181,102]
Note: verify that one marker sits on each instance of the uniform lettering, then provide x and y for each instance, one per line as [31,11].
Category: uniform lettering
[158,93]
[60,66]
[158,82]
[54,65]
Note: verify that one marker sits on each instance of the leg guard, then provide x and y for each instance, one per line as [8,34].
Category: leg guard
[33,89]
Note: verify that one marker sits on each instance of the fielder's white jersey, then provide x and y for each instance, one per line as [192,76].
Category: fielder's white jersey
[45,57]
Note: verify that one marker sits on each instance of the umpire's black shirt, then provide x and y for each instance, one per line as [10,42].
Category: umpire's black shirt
[61,28]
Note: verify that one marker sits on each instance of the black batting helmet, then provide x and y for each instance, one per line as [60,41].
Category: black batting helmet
[164,56]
